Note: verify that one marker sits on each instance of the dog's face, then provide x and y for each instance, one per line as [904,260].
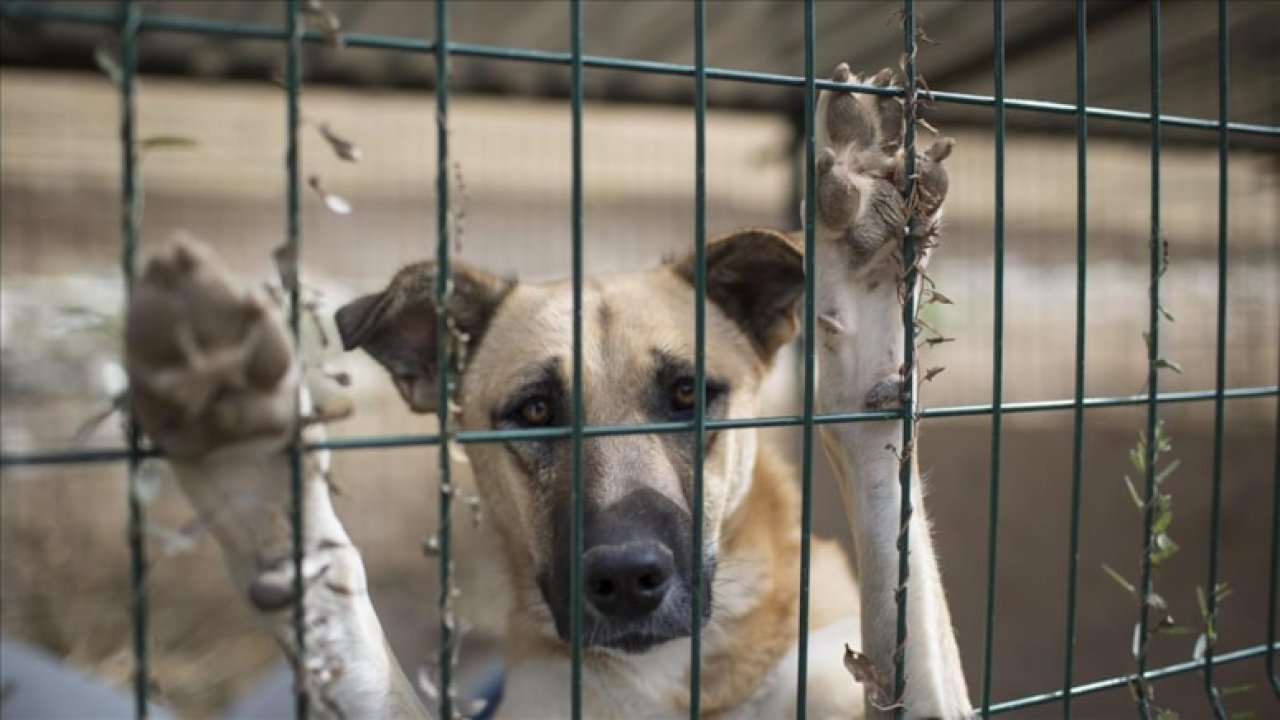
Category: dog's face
[638,340]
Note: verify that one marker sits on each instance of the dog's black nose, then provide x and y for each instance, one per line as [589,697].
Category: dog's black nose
[627,581]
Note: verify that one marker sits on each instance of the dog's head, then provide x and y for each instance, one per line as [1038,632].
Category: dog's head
[637,367]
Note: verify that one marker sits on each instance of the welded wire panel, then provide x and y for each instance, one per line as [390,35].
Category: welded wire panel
[127,20]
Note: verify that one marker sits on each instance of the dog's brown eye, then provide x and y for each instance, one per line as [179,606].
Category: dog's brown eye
[684,395]
[536,412]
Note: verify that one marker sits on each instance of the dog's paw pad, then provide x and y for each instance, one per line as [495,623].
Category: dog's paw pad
[205,358]
[932,180]
[862,184]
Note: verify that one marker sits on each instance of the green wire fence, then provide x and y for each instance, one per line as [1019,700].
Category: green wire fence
[129,22]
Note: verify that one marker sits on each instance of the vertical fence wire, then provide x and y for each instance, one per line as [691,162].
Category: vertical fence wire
[910,308]
[1273,594]
[578,519]
[1077,430]
[443,358]
[293,81]
[997,362]
[130,18]
[1153,355]
[699,347]
[810,352]
[1220,378]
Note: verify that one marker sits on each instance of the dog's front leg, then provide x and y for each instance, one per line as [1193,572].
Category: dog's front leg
[862,216]
[213,379]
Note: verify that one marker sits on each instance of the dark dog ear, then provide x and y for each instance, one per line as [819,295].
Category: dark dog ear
[398,325]
[358,319]
[755,276]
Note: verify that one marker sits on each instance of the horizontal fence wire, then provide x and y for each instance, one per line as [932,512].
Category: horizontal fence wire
[129,23]
[69,456]
[248,31]
[1119,681]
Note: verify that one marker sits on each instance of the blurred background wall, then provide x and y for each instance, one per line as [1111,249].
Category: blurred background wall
[64,578]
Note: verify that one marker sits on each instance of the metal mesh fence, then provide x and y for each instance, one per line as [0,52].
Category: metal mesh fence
[131,23]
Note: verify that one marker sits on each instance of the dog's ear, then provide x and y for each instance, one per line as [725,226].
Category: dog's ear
[398,325]
[755,276]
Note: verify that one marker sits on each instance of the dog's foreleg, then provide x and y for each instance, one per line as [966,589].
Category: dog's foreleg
[212,380]
[861,221]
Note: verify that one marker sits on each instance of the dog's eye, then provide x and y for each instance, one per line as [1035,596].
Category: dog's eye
[536,412]
[684,394]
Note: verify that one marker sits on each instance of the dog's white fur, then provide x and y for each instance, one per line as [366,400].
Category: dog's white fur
[241,489]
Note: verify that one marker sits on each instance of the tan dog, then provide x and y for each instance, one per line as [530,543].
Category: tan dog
[211,375]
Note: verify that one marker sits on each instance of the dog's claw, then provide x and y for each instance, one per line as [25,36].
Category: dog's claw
[885,395]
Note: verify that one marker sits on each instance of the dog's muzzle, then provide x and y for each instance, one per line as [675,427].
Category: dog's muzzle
[637,589]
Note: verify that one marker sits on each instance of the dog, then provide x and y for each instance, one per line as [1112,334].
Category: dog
[214,383]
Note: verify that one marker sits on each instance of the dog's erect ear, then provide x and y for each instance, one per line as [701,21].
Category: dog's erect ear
[398,325]
[755,276]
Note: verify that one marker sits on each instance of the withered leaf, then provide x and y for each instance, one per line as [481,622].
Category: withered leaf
[108,64]
[286,260]
[328,21]
[342,147]
[167,142]
[864,670]
[335,203]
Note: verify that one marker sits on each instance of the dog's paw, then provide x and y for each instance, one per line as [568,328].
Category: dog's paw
[863,195]
[209,363]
